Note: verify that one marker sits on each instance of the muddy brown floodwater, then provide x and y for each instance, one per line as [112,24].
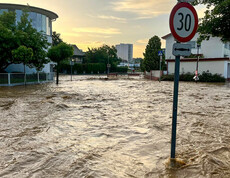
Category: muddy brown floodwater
[113,128]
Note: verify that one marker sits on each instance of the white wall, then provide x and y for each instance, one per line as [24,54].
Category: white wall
[214,67]
[213,48]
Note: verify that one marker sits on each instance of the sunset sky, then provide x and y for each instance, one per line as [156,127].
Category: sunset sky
[92,23]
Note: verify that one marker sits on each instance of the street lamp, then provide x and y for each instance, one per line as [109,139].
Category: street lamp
[108,65]
[71,64]
[196,78]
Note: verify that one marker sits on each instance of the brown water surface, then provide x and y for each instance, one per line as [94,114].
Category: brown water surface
[113,128]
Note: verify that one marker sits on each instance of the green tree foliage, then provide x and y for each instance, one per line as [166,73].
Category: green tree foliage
[103,54]
[13,35]
[60,53]
[23,55]
[151,58]
[31,38]
[56,38]
[216,21]
[7,38]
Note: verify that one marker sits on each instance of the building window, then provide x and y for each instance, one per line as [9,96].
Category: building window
[3,10]
[33,18]
[47,26]
[18,16]
[39,22]
[44,24]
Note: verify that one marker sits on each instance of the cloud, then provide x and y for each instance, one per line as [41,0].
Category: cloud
[143,41]
[71,34]
[118,19]
[96,30]
[99,36]
[144,8]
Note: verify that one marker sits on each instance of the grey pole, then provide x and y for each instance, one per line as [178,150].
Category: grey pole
[71,71]
[198,57]
[24,74]
[108,65]
[160,69]
[175,104]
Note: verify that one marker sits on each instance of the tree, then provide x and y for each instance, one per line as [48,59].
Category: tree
[8,41]
[216,21]
[14,35]
[151,58]
[31,38]
[104,54]
[23,55]
[59,53]
[56,38]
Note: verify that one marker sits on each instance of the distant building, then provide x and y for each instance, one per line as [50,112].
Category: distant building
[41,20]
[214,56]
[78,55]
[125,52]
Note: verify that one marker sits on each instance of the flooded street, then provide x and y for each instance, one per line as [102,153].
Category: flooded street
[113,128]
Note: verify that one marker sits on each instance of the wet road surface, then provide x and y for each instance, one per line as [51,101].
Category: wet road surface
[113,128]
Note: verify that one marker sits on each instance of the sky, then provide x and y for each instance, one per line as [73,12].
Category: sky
[92,23]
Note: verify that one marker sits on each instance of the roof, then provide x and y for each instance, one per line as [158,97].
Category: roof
[202,59]
[48,13]
[77,51]
[166,36]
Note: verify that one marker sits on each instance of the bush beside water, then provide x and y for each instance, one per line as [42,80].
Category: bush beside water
[90,67]
[204,77]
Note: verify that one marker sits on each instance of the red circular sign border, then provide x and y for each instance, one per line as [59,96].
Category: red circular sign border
[190,7]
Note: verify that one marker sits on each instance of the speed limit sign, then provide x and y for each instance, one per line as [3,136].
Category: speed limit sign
[183,22]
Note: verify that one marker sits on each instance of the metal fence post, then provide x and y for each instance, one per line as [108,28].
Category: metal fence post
[8,78]
[38,78]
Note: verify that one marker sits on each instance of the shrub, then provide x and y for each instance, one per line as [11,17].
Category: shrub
[204,77]
[208,77]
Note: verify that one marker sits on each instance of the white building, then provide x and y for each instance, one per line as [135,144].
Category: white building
[215,56]
[125,52]
[41,20]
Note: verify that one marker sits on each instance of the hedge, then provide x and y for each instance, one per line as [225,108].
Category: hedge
[89,68]
[204,77]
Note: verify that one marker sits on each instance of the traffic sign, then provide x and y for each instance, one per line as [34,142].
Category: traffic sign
[183,22]
[108,65]
[181,49]
[160,53]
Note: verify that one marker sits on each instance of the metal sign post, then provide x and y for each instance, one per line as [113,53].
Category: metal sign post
[71,65]
[160,53]
[183,25]
[175,104]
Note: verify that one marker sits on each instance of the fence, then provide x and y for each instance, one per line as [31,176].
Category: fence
[12,79]
[154,74]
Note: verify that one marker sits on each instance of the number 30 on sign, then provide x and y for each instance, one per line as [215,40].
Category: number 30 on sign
[183,22]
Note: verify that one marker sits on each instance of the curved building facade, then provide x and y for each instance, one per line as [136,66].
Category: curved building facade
[41,20]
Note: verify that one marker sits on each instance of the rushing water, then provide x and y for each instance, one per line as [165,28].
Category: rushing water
[113,128]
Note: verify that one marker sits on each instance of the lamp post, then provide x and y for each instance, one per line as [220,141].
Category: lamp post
[71,64]
[196,78]
[108,65]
